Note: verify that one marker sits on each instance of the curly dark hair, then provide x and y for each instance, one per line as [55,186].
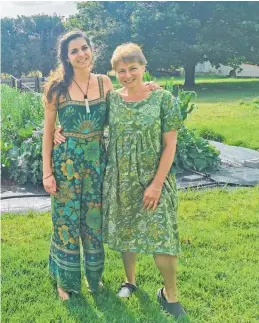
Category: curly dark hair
[59,80]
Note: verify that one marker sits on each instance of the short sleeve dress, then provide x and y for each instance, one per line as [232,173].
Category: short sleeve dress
[135,147]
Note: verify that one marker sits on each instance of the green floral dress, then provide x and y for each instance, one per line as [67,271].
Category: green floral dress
[136,130]
[78,167]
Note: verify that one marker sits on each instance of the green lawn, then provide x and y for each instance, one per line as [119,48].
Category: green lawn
[218,268]
[229,107]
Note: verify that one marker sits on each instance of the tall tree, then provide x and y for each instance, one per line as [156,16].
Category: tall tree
[174,33]
[185,33]
[29,43]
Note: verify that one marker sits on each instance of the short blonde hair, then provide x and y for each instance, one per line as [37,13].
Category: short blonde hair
[128,52]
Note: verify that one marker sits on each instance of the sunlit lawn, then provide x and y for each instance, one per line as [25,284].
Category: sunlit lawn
[218,268]
[229,107]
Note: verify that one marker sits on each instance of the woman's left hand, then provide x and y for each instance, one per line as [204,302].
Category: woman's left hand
[152,86]
[151,198]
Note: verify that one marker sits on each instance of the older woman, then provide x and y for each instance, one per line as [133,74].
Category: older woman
[140,197]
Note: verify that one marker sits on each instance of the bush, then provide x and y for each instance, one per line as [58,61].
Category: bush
[22,122]
[194,153]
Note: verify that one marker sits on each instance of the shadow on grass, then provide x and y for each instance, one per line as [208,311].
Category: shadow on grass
[112,308]
[109,308]
[81,310]
[104,307]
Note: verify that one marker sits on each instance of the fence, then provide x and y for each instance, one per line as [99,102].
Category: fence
[33,84]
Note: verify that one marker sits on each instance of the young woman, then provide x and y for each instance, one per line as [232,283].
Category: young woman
[73,171]
[140,197]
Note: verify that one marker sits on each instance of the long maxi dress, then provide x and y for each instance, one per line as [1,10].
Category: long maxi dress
[78,166]
[136,130]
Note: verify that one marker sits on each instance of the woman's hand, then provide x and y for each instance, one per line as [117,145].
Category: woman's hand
[151,197]
[58,138]
[152,86]
[50,185]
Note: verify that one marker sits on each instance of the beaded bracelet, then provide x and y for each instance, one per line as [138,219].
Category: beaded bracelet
[48,176]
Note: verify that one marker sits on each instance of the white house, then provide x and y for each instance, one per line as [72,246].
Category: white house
[247,70]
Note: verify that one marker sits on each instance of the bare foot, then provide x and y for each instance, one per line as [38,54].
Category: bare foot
[63,294]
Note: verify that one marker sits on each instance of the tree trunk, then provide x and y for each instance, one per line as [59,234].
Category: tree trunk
[189,70]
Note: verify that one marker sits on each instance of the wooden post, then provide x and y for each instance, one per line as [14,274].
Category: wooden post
[37,84]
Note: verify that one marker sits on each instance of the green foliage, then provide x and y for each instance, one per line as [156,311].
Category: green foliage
[173,33]
[185,97]
[26,162]
[22,116]
[211,135]
[148,77]
[30,43]
[194,153]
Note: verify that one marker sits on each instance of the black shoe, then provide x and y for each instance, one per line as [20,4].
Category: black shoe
[174,309]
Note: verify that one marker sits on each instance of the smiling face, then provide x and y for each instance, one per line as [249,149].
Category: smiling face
[79,53]
[130,74]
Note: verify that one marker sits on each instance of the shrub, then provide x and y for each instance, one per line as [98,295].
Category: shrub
[194,153]
[22,120]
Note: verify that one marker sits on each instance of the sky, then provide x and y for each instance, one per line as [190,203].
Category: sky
[12,9]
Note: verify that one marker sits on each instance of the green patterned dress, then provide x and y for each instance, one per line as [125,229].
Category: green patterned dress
[136,130]
[78,166]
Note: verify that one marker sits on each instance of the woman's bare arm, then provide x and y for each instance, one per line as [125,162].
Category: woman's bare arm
[153,191]
[47,146]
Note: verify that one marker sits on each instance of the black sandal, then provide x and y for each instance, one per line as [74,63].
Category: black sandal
[174,309]
[126,290]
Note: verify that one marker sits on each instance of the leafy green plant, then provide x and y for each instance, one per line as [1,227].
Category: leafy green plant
[26,161]
[185,97]
[5,161]
[148,77]
[22,119]
[194,153]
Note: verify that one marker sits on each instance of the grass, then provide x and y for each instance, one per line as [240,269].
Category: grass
[237,122]
[218,268]
[228,107]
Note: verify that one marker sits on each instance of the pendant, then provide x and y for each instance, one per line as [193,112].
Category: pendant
[87,106]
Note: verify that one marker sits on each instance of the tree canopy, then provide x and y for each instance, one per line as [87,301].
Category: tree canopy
[29,43]
[174,33]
